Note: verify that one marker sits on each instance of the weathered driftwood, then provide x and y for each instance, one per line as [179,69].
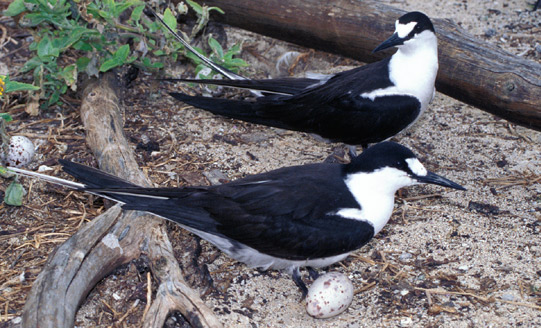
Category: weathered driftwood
[471,70]
[113,238]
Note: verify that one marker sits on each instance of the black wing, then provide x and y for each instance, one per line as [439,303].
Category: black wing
[287,213]
[334,110]
[290,218]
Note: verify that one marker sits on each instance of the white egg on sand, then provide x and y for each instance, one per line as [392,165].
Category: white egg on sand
[329,295]
[20,152]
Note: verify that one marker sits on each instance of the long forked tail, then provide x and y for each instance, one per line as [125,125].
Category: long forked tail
[48,178]
[220,69]
[237,109]
[93,178]
[102,184]
[90,178]
[281,86]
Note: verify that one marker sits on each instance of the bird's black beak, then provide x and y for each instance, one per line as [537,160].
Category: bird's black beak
[433,178]
[394,40]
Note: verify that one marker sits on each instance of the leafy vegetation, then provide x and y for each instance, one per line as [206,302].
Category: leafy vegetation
[75,37]
[7,86]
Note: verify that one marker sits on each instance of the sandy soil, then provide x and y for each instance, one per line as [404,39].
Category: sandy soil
[480,247]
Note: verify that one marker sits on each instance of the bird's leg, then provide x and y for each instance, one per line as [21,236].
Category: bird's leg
[313,273]
[296,275]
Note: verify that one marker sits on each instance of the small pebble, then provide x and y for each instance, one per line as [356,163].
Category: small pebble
[22,277]
[44,168]
[405,256]
[490,32]
[508,297]
[215,177]
[406,322]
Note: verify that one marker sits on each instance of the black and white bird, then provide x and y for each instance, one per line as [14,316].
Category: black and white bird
[361,106]
[301,216]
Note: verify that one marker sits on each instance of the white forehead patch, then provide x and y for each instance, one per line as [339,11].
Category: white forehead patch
[416,167]
[404,29]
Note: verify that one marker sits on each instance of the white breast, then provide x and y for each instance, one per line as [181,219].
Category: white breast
[413,69]
[374,192]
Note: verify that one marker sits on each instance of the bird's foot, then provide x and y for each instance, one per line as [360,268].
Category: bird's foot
[313,273]
[296,275]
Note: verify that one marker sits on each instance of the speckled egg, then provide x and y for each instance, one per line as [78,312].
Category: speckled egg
[20,152]
[329,295]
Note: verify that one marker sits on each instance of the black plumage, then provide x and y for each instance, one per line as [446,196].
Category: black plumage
[286,213]
[301,216]
[364,105]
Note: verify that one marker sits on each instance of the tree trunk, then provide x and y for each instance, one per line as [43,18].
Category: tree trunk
[473,71]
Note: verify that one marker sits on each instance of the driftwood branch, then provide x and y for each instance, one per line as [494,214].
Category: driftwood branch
[113,238]
[471,70]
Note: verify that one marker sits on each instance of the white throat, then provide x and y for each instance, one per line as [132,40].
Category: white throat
[413,68]
[375,193]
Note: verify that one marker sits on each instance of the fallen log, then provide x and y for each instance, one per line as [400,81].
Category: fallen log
[471,70]
[114,238]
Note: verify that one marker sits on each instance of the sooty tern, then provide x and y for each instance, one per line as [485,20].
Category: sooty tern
[364,105]
[301,216]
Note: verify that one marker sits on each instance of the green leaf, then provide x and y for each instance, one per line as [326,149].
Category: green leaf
[14,86]
[82,63]
[216,9]
[109,64]
[234,50]
[83,46]
[74,36]
[136,13]
[216,47]
[42,15]
[193,57]
[69,75]
[15,8]
[122,52]
[195,6]
[31,64]
[46,50]
[105,14]
[6,117]
[53,99]
[119,58]
[237,62]
[170,19]
[14,194]
[149,64]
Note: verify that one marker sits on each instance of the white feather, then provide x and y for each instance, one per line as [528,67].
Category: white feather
[375,191]
[412,69]
[48,178]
